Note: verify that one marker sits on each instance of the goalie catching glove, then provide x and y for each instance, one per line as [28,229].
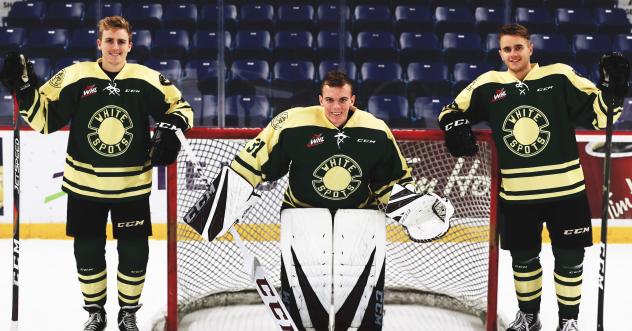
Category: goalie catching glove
[221,205]
[425,217]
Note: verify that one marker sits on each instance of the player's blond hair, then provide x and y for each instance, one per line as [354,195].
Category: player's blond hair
[114,23]
[514,29]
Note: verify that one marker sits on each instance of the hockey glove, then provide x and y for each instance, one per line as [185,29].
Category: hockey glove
[425,217]
[221,205]
[165,145]
[17,73]
[459,138]
[614,74]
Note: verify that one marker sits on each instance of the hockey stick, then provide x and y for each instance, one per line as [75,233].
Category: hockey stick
[251,265]
[16,212]
[604,216]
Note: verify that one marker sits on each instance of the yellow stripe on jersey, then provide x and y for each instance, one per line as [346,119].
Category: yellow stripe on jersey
[114,195]
[543,182]
[542,195]
[541,168]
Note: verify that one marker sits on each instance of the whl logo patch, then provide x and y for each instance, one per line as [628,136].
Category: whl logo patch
[499,95]
[88,91]
[317,139]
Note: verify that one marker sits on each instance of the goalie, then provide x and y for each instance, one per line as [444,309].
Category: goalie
[343,164]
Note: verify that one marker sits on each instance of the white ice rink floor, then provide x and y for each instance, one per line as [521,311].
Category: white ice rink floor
[50,298]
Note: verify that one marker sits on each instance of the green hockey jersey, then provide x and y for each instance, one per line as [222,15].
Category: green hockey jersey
[351,167]
[533,126]
[107,154]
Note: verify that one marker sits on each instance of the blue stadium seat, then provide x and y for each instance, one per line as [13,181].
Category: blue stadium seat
[486,3]
[107,9]
[528,3]
[550,48]
[413,18]
[208,17]
[256,16]
[252,44]
[41,67]
[376,45]
[575,20]
[51,42]
[83,42]
[64,62]
[202,73]
[141,45]
[380,78]
[537,20]
[180,16]
[488,19]
[170,68]
[328,44]
[372,16]
[296,45]
[293,84]
[194,98]
[623,43]
[426,110]
[580,69]
[589,47]
[419,46]
[612,20]
[428,79]
[492,46]
[392,109]
[465,73]
[170,44]
[453,19]
[144,15]
[295,17]
[249,77]
[64,14]
[209,110]
[6,108]
[204,44]
[254,109]
[460,47]
[625,121]
[329,15]
[347,67]
[11,39]
[554,4]
[26,14]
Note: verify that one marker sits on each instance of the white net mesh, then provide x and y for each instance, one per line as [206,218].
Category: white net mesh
[451,272]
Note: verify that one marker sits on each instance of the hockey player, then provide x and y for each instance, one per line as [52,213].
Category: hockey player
[109,157]
[342,163]
[532,111]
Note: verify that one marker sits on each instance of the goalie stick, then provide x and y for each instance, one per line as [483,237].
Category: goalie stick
[251,264]
[16,213]
[604,217]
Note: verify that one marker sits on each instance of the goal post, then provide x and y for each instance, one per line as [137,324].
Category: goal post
[458,272]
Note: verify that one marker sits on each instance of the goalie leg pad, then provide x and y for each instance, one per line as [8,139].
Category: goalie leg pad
[306,250]
[221,205]
[359,242]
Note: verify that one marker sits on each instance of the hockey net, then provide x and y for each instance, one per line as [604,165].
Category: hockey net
[457,272]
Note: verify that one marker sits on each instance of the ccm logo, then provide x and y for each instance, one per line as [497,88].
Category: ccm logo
[456,123]
[576,231]
[130,224]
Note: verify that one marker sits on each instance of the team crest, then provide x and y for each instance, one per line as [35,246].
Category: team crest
[526,129]
[163,80]
[111,131]
[337,177]
[57,79]
[277,121]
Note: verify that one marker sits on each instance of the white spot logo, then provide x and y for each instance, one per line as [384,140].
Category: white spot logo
[111,126]
[337,177]
[526,131]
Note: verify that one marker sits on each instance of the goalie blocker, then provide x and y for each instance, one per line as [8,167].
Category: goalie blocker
[225,201]
[425,217]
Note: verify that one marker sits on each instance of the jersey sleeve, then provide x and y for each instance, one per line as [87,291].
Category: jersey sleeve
[587,105]
[50,107]
[263,159]
[392,170]
[465,102]
[173,104]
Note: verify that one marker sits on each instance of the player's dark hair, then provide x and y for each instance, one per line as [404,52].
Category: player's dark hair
[114,22]
[336,78]
[514,29]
